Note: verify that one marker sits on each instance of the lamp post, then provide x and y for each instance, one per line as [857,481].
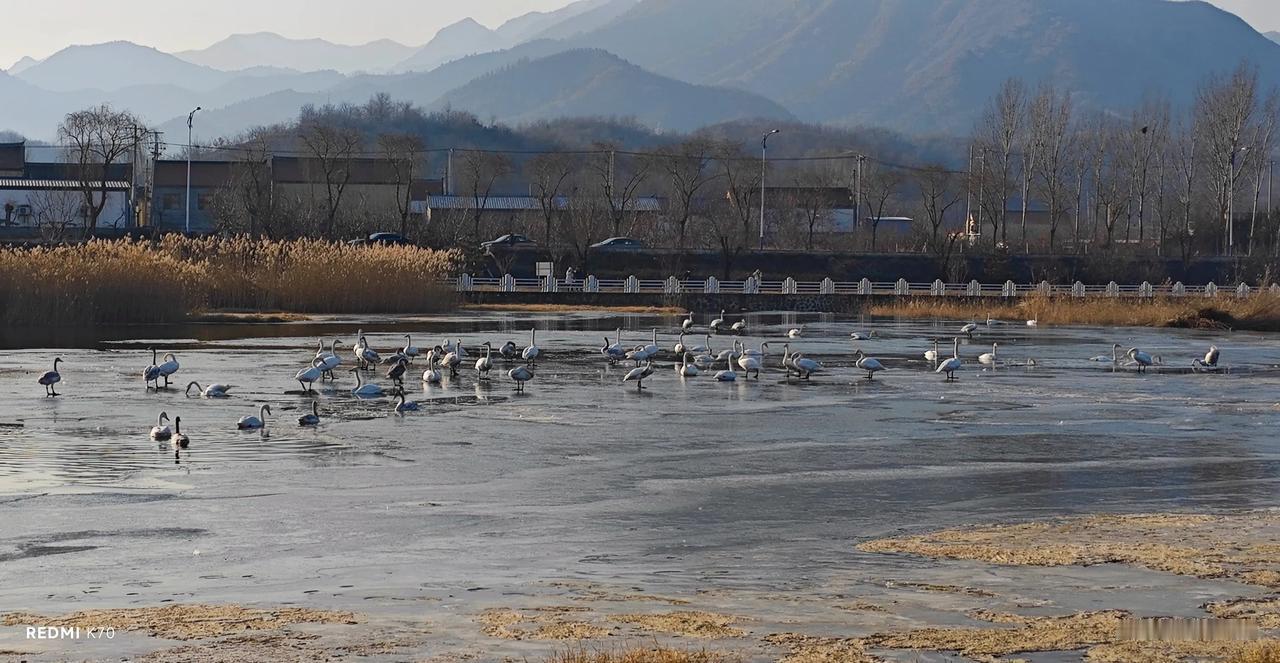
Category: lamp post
[191,118]
[764,160]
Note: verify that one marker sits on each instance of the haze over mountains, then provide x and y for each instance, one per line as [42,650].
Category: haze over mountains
[919,66]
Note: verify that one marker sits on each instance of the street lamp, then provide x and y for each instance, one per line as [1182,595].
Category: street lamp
[191,118]
[764,160]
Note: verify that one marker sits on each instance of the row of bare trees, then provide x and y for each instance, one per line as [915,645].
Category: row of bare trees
[1176,183]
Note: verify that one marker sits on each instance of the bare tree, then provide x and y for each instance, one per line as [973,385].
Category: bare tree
[1185,157]
[732,218]
[940,191]
[811,198]
[333,146]
[1051,138]
[95,139]
[55,211]
[1226,109]
[687,168]
[548,174]
[404,152]
[480,172]
[880,184]
[585,220]
[620,177]
[998,135]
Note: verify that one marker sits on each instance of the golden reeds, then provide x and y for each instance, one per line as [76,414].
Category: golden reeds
[655,654]
[105,282]
[1258,312]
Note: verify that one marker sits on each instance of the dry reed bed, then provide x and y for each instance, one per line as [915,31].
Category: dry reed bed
[124,282]
[1260,312]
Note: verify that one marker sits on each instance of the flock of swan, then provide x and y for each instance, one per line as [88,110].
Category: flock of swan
[690,361]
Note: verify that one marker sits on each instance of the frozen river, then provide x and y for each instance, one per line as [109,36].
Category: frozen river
[757,487]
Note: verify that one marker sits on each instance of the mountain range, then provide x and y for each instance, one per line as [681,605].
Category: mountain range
[918,66]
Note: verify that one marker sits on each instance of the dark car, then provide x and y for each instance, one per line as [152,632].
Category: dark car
[392,239]
[512,242]
[619,244]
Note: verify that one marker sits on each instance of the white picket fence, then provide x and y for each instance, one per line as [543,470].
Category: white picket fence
[901,288]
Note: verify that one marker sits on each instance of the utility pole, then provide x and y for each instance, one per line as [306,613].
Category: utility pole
[764,160]
[448,174]
[191,117]
[968,191]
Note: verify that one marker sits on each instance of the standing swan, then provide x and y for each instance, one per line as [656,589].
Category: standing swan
[1141,359]
[50,378]
[717,323]
[409,350]
[312,419]
[160,432]
[307,377]
[168,368]
[212,391]
[749,362]
[485,363]
[638,375]
[1210,361]
[953,364]
[530,354]
[330,360]
[255,423]
[687,325]
[521,375]
[152,372]
[432,374]
[969,329]
[871,366]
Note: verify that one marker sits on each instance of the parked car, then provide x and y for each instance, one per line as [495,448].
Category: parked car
[512,242]
[619,244]
[380,238]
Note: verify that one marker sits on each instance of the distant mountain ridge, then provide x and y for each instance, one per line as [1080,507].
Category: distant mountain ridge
[917,66]
[242,51]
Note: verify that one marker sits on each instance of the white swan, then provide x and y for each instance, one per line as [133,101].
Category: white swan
[255,423]
[969,329]
[1114,358]
[403,405]
[679,348]
[431,375]
[312,419]
[1210,361]
[804,366]
[727,375]
[989,358]
[739,327]
[753,362]
[180,439]
[160,432]
[521,375]
[485,363]
[744,350]
[614,353]
[530,354]
[1141,359]
[717,323]
[795,333]
[409,350]
[1033,322]
[992,322]
[509,351]
[330,360]
[365,355]
[152,372]
[452,361]
[363,390]
[652,349]
[50,378]
[168,368]
[214,390]
[638,375]
[871,366]
[686,370]
[863,336]
[307,377]
[932,355]
[687,325]
[950,366]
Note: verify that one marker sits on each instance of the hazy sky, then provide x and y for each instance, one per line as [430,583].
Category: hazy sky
[40,27]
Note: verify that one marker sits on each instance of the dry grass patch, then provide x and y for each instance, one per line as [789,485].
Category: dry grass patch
[810,649]
[1027,634]
[186,622]
[691,623]
[1174,652]
[105,282]
[1239,547]
[1260,312]
[1266,612]
[548,623]
[641,655]
[1259,652]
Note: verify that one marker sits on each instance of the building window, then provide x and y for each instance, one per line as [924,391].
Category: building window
[171,201]
[204,201]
